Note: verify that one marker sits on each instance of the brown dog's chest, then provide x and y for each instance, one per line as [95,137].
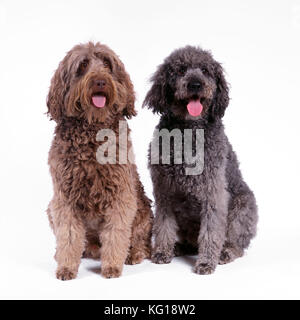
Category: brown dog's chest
[86,184]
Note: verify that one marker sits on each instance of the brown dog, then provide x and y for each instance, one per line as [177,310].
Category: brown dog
[97,209]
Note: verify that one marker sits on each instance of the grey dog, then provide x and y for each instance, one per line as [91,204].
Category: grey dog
[213,213]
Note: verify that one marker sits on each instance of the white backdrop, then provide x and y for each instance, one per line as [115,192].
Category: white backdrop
[258,45]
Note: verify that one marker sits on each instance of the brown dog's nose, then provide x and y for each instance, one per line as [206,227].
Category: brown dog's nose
[100,84]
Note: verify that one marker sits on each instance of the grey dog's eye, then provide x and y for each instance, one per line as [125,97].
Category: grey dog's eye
[204,71]
[182,70]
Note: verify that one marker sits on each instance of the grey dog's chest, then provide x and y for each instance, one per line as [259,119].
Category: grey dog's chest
[212,153]
[189,162]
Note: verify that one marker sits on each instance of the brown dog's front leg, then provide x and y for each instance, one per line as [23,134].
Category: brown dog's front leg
[70,238]
[115,237]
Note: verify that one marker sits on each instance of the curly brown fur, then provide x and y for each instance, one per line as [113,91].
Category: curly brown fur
[97,210]
[215,212]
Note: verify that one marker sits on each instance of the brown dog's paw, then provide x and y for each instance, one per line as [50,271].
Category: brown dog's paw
[161,258]
[92,251]
[65,274]
[204,268]
[111,272]
[135,258]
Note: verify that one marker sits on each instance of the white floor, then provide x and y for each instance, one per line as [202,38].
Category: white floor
[268,271]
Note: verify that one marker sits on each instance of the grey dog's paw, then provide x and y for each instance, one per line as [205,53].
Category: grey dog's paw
[230,254]
[204,268]
[161,257]
[226,257]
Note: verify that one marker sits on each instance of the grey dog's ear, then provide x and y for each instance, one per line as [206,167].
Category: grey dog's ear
[221,100]
[157,97]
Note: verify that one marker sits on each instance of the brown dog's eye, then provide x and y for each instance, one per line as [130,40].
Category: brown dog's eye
[107,64]
[82,67]
[182,70]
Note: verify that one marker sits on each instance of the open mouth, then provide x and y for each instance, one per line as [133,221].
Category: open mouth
[195,106]
[99,99]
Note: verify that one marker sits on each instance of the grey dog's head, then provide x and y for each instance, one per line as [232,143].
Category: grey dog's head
[190,84]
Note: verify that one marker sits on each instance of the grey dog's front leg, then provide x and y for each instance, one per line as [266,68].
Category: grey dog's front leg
[212,232]
[165,233]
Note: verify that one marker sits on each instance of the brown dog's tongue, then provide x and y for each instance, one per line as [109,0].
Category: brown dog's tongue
[195,108]
[99,101]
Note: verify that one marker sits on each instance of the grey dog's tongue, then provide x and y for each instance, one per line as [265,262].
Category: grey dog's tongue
[99,101]
[195,108]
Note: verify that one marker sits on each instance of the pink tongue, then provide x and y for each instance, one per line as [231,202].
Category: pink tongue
[99,101]
[194,108]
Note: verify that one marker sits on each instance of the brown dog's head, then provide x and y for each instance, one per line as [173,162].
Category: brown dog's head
[91,83]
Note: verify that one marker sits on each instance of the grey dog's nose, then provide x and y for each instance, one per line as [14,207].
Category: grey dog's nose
[194,86]
[100,83]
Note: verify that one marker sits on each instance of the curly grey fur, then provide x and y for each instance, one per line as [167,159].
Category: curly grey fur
[214,213]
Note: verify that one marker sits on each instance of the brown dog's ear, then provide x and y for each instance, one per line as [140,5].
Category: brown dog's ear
[123,76]
[129,110]
[57,92]
[157,97]
[222,93]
